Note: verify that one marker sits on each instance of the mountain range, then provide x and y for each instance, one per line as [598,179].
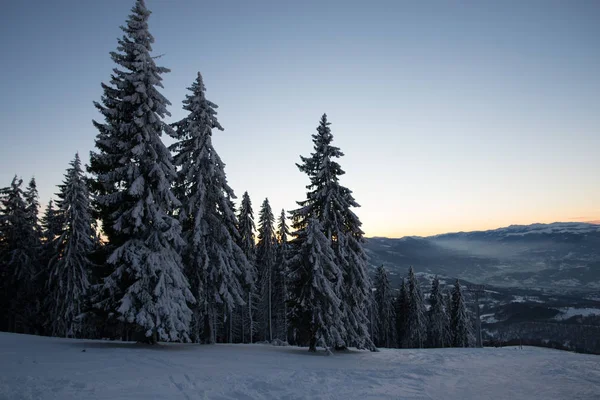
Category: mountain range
[542,280]
[562,256]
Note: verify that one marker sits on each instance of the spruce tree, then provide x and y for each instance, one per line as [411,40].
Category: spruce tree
[415,335]
[70,266]
[459,318]
[331,203]
[266,253]
[51,228]
[37,286]
[247,243]
[448,308]
[247,227]
[316,282]
[19,260]
[402,304]
[374,319]
[133,174]
[385,313]
[213,260]
[281,274]
[438,322]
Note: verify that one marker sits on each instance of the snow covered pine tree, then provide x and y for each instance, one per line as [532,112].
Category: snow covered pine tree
[385,313]
[248,245]
[50,221]
[266,252]
[20,244]
[37,285]
[459,318]
[68,282]
[32,206]
[147,288]
[438,321]
[213,261]
[402,303]
[280,296]
[415,334]
[316,284]
[330,203]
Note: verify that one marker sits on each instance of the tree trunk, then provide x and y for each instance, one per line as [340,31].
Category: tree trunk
[231,326]
[243,322]
[270,326]
[285,323]
[313,344]
[207,331]
[250,315]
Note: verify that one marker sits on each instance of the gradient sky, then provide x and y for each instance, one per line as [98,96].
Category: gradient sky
[452,115]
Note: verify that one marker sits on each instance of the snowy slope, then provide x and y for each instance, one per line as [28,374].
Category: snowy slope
[49,368]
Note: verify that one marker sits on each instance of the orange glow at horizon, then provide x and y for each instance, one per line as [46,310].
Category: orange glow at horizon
[432,229]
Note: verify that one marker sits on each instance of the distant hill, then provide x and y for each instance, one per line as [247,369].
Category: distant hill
[561,256]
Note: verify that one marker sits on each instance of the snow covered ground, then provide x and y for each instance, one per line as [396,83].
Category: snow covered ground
[48,368]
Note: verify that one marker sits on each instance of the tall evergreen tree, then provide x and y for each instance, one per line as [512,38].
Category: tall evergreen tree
[266,253]
[280,297]
[374,320]
[448,308]
[331,203]
[402,305]
[316,283]
[37,286]
[385,313]
[19,260]
[415,335]
[214,262]
[70,267]
[459,318]
[248,245]
[283,231]
[247,227]
[438,322]
[51,228]
[133,176]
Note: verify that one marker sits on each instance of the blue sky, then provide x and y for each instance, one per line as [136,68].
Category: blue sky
[452,115]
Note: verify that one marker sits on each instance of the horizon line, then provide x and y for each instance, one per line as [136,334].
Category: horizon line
[591,222]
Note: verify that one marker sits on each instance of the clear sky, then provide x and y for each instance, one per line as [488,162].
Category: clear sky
[452,115]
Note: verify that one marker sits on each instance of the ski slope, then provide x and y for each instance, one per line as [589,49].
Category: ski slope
[49,368]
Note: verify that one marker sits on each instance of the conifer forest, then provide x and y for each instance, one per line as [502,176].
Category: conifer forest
[149,243]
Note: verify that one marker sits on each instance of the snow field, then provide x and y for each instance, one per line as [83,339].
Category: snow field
[50,368]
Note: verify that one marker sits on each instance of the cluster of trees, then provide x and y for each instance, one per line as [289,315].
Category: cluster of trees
[173,261]
[171,258]
[45,264]
[403,321]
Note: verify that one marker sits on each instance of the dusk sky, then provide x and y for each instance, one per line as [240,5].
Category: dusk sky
[452,115]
